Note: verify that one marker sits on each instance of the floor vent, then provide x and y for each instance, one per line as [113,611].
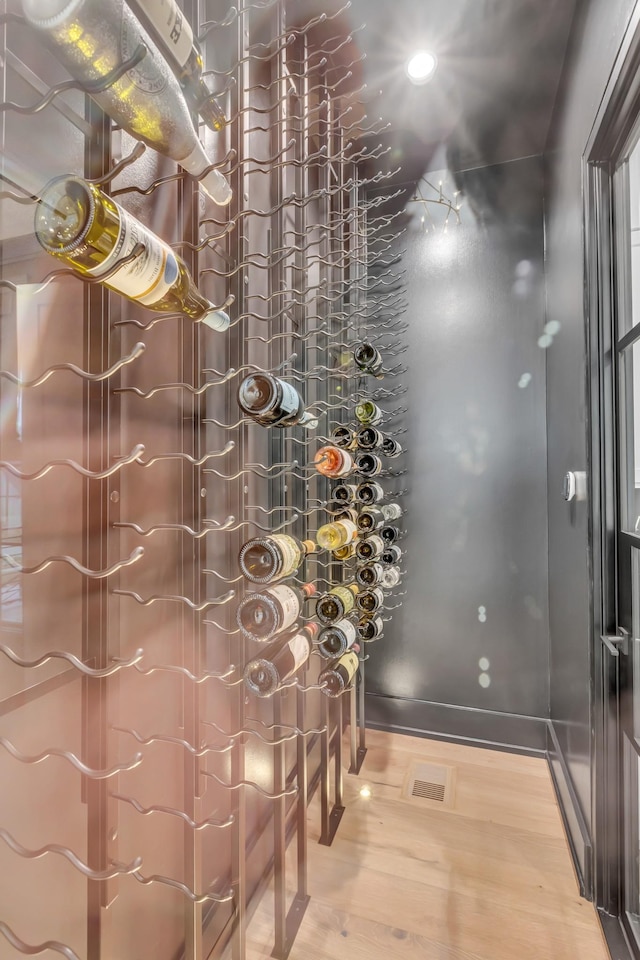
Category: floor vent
[429,784]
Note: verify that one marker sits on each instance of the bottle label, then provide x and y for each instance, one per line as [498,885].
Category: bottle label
[299,649]
[290,399]
[172,26]
[349,630]
[290,552]
[349,662]
[350,527]
[288,600]
[347,465]
[151,275]
[347,597]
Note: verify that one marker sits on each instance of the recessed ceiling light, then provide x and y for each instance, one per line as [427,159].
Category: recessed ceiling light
[421,66]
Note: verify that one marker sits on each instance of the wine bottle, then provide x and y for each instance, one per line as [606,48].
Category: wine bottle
[173,34]
[390,577]
[368,359]
[370,574]
[369,413]
[336,604]
[77,223]
[370,628]
[344,437]
[339,675]
[369,491]
[370,549]
[345,492]
[272,402]
[391,448]
[370,601]
[342,511]
[368,464]
[391,555]
[262,615]
[375,517]
[368,438]
[333,462]
[390,533]
[345,553]
[274,557]
[331,536]
[91,38]
[335,640]
[279,661]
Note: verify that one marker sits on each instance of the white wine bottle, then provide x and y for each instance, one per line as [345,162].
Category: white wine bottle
[370,549]
[336,639]
[369,413]
[340,674]
[274,557]
[172,32]
[332,536]
[279,661]
[336,604]
[390,577]
[262,615]
[91,38]
[79,224]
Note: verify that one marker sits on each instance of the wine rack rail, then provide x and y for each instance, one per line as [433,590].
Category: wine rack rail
[148,797]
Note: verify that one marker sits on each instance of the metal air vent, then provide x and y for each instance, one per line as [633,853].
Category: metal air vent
[429,783]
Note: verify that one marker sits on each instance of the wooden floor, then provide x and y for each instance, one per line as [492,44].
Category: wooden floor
[489,878]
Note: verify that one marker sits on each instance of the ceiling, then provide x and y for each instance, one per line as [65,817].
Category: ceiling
[493,93]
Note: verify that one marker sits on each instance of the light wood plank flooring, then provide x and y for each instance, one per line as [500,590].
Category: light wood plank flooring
[489,878]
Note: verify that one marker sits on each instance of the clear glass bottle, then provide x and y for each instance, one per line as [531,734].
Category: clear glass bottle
[369,491]
[273,557]
[368,359]
[336,604]
[173,34]
[391,555]
[344,437]
[369,549]
[370,628]
[336,639]
[390,577]
[368,464]
[91,38]
[273,402]
[369,413]
[339,675]
[265,674]
[370,574]
[391,448]
[79,224]
[345,553]
[333,462]
[370,601]
[332,536]
[262,615]
[368,438]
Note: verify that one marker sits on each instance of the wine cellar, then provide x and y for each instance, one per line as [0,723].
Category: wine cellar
[132,478]
[319,446]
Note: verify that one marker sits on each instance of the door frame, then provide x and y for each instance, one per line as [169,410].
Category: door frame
[618,114]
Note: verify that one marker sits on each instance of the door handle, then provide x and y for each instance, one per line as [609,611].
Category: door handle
[615,643]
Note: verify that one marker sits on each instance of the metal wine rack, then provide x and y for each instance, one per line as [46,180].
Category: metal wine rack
[147,798]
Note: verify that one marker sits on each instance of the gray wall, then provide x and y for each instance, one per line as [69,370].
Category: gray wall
[476,509]
[595,45]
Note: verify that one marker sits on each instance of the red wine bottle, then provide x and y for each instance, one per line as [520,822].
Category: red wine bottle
[279,661]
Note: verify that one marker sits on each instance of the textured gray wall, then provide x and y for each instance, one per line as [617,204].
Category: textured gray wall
[595,48]
[476,510]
